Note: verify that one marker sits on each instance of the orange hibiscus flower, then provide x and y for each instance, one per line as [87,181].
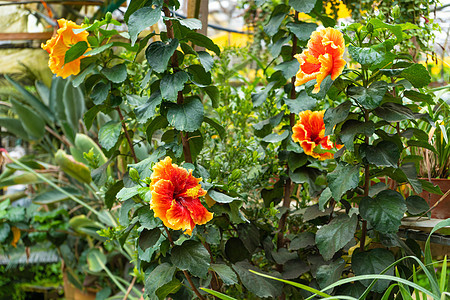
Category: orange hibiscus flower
[309,132]
[175,197]
[58,45]
[322,57]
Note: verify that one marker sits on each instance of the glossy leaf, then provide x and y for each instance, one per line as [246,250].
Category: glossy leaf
[301,103]
[171,84]
[384,211]
[75,51]
[343,178]
[384,154]
[191,256]
[109,133]
[160,276]
[333,236]
[116,74]
[302,30]
[146,111]
[187,116]
[304,6]
[351,128]
[336,115]
[225,273]
[141,19]
[159,53]
[371,97]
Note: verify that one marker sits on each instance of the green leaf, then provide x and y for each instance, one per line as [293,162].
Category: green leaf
[417,74]
[33,124]
[333,236]
[148,238]
[328,274]
[213,94]
[109,133]
[259,98]
[275,137]
[55,196]
[384,211]
[141,19]
[75,51]
[217,294]
[351,128]
[343,178]
[393,112]
[373,262]
[191,23]
[206,60]
[418,97]
[384,154]
[199,76]
[225,273]
[116,74]
[395,29]
[34,102]
[15,214]
[369,98]
[202,41]
[74,105]
[366,56]
[191,256]
[15,127]
[416,205]
[220,197]
[302,30]
[159,53]
[235,250]
[336,115]
[301,103]
[277,16]
[96,260]
[302,240]
[288,68]
[110,195]
[187,116]
[169,288]
[296,160]
[98,50]
[146,111]
[219,128]
[325,196]
[157,123]
[4,231]
[303,6]
[258,285]
[171,84]
[160,276]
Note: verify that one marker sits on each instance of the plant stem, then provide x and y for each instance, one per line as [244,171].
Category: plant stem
[127,135]
[362,242]
[180,98]
[288,185]
[188,277]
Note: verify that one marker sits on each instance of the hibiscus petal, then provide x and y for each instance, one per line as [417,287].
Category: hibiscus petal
[179,217]
[199,214]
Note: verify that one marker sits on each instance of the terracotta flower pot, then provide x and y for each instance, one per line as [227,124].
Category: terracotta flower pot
[442,210]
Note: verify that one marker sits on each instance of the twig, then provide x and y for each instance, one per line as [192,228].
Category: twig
[127,135]
[129,288]
[59,137]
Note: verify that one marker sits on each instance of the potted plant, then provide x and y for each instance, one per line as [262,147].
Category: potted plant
[435,166]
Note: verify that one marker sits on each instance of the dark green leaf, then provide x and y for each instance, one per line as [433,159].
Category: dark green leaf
[302,240]
[187,116]
[366,56]
[199,76]
[416,205]
[235,250]
[296,160]
[393,112]
[74,105]
[191,256]
[418,97]
[148,238]
[304,6]
[342,179]
[277,16]
[302,30]
[214,95]
[336,115]
[335,235]
[75,51]
[98,50]
[141,19]
[160,276]
[288,68]
[14,126]
[259,98]
[146,111]
[55,196]
[157,123]
[169,288]
[171,84]
[109,133]
[220,197]
[32,123]
[328,274]
[351,128]
[116,74]
[202,41]
[373,262]
[206,60]
[369,98]
[301,103]
[225,273]
[219,128]
[100,92]
[110,195]
[79,79]
[324,198]
[384,154]
[384,211]
[258,285]
[275,137]
[158,54]
[417,74]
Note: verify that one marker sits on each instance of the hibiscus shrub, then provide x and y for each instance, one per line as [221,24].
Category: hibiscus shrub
[325,141]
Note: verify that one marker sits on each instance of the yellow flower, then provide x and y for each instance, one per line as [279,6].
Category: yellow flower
[58,45]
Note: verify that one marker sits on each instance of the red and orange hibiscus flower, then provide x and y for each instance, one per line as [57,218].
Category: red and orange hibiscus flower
[58,45]
[175,197]
[323,57]
[309,132]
